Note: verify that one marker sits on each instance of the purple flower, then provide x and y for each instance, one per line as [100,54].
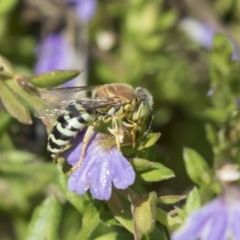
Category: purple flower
[203,33]
[220,218]
[85,8]
[103,165]
[55,53]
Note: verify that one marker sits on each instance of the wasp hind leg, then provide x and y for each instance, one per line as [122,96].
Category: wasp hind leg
[86,140]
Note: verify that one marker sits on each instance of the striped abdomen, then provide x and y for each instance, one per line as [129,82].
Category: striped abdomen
[66,127]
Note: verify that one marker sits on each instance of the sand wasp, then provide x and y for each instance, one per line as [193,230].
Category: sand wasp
[129,110]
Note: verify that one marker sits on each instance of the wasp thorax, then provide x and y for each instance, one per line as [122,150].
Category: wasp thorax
[119,91]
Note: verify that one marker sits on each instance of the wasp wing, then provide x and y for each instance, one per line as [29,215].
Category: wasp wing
[57,99]
[56,96]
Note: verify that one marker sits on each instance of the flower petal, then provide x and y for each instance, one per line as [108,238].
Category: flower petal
[52,53]
[86,9]
[235,223]
[216,229]
[196,222]
[99,169]
[124,175]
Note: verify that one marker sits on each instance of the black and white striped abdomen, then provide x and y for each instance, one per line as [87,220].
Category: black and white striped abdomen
[66,127]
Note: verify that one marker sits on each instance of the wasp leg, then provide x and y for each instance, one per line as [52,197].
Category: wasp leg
[86,140]
[134,127]
[55,159]
[117,132]
[114,131]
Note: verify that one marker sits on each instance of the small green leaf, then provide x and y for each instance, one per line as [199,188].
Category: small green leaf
[16,157]
[90,221]
[166,219]
[45,220]
[108,219]
[108,236]
[31,99]
[149,140]
[6,6]
[222,47]
[5,75]
[197,168]
[193,201]
[170,199]
[14,105]
[182,214]
[121,210]
[5,121]
[151,171]
[211,134]
[219,114]
[167,19]
[5,65]
[54,78]
[144,212]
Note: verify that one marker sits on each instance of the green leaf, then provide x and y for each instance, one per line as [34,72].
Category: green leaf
[160,232]
[143,21]
[90,222]
[45,220]
[5,66]
[5,75]
[149,140]
[90,215]
[170,199]
[143,209]
[5,121]
[108,236]
[182,214]
[107,218]
[167,19]
[6,6]
[54,78]
[151,171]
[222,47]
[31,99]
[166,219]
[193,201]
[14,105]
[211,134]
[16,157]
[197,168]
[121,210]
[219,114]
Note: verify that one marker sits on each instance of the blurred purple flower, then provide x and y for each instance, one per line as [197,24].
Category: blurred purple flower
[202,33]
[55,53]
[220,218]
[84,8]
[102,166]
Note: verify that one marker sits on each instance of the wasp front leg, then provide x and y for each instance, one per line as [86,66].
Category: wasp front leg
[86,140]
[118,131]
[134,126]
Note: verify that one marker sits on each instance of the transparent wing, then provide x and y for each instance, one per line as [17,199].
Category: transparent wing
[57,99]
[62,100]
[64,96]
